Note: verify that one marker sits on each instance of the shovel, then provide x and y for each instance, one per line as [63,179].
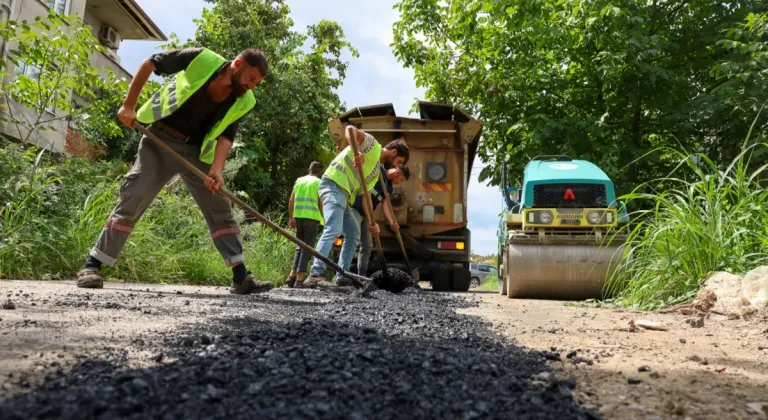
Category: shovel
[360,282]
[368,209]
[414,273]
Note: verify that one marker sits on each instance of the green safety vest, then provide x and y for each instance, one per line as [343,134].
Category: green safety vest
[181,87]
[343,172]
[305,198]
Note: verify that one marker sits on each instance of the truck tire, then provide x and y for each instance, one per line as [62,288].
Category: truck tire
[441,280]
[461,279]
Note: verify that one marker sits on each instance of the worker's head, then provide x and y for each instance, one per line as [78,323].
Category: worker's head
[316,169]
[399,174]
[395,154]
[249,69]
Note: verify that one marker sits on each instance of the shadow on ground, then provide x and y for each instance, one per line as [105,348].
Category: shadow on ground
[391,356]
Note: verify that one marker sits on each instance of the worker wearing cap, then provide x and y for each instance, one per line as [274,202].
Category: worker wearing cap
[305,212]
[339,186]
[392,177]
[196,113]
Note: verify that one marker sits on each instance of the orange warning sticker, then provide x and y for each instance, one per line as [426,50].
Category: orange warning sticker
[435,186]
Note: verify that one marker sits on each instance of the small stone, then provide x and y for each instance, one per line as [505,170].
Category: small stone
[759,408]
[633,381]
[644,369]
[543,376]
[570,355]
[650,325]
[655,375]
[178,292]
[682,341]
[159,358]
[205,340]
[695,322]
[694,358]
[9,305]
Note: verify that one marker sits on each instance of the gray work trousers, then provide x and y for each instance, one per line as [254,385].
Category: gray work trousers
[152,170]
[306,231]
[366,243]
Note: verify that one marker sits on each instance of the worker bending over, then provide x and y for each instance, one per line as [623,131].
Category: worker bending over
[305,212]
[339,187]
[392,177]
[196,113]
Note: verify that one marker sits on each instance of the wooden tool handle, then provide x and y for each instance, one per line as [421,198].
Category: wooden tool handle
[357,280]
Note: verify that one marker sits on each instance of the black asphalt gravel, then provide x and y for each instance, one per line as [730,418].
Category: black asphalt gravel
[304,354]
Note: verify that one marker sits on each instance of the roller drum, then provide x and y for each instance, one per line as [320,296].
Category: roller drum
[559,271]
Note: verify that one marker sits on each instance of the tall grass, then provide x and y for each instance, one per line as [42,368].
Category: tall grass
[52,213]
[702,218]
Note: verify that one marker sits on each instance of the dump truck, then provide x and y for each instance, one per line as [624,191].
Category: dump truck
[431,207]
[559,233]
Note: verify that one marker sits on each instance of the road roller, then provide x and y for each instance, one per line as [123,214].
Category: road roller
[560,233]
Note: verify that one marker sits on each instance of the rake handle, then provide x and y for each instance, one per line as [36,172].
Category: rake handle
[397,232]
[357,280]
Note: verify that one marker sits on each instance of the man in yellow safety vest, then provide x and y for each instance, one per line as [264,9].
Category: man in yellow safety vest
[339,186]
[196,113]
[305,213]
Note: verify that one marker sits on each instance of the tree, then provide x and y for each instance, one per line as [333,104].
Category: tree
[54,79]
[288,129]
[609,81]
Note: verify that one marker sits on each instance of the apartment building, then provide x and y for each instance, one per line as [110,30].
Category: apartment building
[111,22]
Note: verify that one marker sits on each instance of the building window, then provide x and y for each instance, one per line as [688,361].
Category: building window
[60,6]
[32,71]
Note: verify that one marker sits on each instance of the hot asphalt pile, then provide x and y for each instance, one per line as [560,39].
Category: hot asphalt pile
[397,280]
[306,354]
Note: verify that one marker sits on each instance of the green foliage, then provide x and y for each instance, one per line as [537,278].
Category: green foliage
[288,128]
[699,220]
[53,211]
[56,50]
[604,80]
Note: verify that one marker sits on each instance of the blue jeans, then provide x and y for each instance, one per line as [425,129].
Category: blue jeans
[339,220]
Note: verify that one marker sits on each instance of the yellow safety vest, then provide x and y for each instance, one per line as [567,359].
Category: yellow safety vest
[181,87]
[305,198]
[343,172]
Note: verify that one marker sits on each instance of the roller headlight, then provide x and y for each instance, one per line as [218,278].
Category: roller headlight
[593,217]
[545,217]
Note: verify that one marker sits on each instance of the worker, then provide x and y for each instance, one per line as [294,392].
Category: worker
[305,213]
[196,113]
[339,187]
[392,177]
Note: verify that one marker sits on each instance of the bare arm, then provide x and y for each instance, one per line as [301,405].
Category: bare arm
[215,180]
[290,205]
[137,84]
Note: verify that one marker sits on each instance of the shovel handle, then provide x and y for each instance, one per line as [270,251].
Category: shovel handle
[357,280]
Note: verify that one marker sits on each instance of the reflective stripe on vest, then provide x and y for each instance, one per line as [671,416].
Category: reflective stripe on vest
[182,86]
[305,198]
[343,172]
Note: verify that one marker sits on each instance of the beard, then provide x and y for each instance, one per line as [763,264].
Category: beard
[238,89]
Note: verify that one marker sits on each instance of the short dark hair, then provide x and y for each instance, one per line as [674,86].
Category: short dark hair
[402,148]
[316,168]
[406,172]
[257,59]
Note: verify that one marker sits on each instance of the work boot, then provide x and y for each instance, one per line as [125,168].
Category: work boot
[291,282]
[344,282]
[325,284]
[250,285]
[90,278]
[312,281]
[299,284]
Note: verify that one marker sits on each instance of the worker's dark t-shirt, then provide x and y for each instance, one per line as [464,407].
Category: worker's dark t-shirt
[377,195]
[198,114]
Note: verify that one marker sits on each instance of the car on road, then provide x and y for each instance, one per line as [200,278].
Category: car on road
[479,273]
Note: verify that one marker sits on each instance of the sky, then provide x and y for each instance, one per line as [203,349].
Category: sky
[373,78]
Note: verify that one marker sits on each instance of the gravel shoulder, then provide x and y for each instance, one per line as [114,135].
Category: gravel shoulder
[154,351]
[710,372]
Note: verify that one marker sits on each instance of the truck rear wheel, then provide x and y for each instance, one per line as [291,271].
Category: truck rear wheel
[461,279]
[441,280]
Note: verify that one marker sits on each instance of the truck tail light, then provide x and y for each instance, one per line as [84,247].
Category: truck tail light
[451,245]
